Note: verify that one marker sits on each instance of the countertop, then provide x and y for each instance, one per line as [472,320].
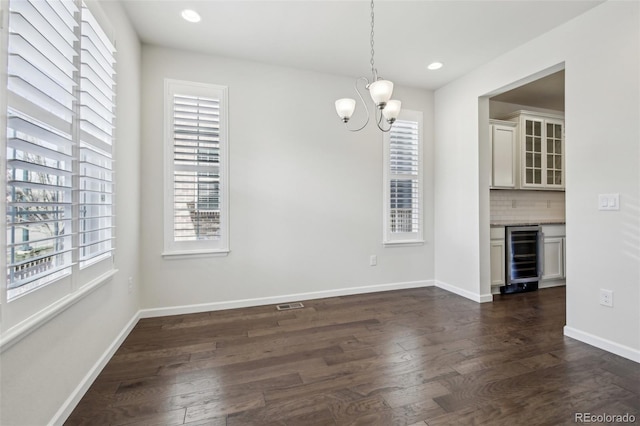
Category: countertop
[508,223]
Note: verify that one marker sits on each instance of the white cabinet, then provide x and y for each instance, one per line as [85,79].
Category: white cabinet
[497,263]
[554,252]
[553,258]
[497,256]
[541,147]
[503,154]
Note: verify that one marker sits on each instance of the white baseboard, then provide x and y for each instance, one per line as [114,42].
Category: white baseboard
[604,344]
[479,298]
[260,301]
[70,404]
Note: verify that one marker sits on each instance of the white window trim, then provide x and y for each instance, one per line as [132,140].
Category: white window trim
[190,249]
[390,239]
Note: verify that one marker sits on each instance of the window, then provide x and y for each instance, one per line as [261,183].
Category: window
[403,180]
[60,123]
[196,203]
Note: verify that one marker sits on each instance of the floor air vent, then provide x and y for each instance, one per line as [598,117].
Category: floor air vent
[287,306]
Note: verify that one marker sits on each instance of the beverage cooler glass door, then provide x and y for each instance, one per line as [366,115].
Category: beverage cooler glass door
[524,254]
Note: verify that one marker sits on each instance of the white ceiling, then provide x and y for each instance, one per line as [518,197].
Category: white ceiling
[546,92]
[333,36]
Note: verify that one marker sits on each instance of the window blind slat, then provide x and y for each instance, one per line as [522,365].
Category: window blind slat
[53,63]
[87,99]
[48,23]
[41,168]
[101,69]
[93,30]
[93,134]
[22,109]
[63,12]
[41,243]
[35,149]
[105,88]
[96,120]
[21,68]
[39,99]
[101,55]
[106,100]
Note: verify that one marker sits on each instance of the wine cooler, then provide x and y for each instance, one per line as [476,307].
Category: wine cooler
[524,258]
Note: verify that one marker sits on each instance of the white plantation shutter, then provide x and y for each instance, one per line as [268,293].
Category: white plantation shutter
[97,115]
[60,94]
[196,133]
[40,117]
[403,180]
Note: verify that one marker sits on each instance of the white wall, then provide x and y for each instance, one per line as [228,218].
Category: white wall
[42,372]
[305,194]
[602,146]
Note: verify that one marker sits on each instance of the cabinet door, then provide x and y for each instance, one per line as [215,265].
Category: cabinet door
[497,262]
[554,154]
[503,153]
[532,154]
[553,258]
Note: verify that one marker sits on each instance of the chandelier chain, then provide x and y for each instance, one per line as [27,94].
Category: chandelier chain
[373,69]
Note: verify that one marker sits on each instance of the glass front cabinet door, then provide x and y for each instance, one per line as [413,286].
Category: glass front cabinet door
[541,140]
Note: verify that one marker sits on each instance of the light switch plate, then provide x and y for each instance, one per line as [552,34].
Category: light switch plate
[609,202]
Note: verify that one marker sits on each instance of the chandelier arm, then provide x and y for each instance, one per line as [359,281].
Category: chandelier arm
[355,86]
[379,121]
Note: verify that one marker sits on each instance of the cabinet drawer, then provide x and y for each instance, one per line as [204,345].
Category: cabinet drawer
[496,233]
[554,230]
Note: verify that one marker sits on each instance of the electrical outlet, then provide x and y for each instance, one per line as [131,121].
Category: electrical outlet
[373,260]
[130,284]
[606,297]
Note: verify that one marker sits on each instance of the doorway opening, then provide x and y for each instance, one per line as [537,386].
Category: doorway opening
[522,180]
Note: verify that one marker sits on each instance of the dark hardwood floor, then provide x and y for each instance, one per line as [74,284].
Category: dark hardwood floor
[421,356]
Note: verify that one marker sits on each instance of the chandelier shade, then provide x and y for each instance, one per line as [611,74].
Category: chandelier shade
[391,110]
[381,92]
[345,108]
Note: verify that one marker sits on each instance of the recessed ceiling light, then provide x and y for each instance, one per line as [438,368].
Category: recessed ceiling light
[435,65]
[191,15]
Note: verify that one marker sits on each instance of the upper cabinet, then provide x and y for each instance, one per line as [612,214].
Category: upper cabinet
[541,146]
[503,154]
[527,151]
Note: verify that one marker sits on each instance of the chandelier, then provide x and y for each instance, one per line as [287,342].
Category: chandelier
[380,91]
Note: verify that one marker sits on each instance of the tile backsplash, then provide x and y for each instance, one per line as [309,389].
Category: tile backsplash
[513,206]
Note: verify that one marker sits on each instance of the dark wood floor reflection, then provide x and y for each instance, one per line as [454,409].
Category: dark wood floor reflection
[421,356]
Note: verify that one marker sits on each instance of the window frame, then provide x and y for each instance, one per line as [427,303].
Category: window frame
[199,248]
[390,238]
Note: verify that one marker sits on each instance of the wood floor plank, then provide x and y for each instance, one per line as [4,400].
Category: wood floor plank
[133,393]
[419,357]
[216,409]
